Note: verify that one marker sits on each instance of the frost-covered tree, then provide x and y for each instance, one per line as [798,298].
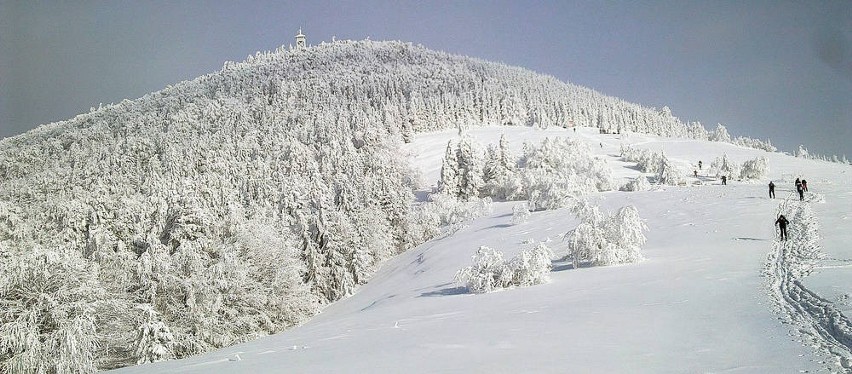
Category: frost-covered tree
[802,152]
[668,173]
[49,318]
[646,160]
[723,166]
[470,167]
[755,169]
[720,134]
[559,170]
[520,213]
[532,266]
[154,341]
[639,183]
[628,235]
[449,183]
[500,171]
[603,239]
[488,272]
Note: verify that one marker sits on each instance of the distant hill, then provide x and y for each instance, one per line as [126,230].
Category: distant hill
[239,203]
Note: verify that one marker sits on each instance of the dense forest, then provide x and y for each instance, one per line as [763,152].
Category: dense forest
[239,203]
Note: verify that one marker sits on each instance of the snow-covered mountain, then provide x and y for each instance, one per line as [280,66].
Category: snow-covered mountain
[241,203]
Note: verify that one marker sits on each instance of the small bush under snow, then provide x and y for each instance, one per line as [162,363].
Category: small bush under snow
[520,213]
[603,239]
[639,183]
[755,169]
[490,271]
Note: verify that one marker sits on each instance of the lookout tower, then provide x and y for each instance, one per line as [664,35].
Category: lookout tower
[300,41]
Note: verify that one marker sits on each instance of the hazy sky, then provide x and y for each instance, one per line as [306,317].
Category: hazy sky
[766,69]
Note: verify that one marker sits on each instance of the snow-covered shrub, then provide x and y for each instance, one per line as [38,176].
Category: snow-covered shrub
[531,266]
[639,183]
[668,173]
[448,210]
[646,160]
[602,239]
[755,169]
[722,166]
[547,190]
[560,169]
[488,272]
[629,236]
[520,213]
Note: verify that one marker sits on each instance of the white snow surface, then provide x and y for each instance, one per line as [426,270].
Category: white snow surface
[716,293]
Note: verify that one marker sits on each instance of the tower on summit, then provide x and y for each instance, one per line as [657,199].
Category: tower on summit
[300,41]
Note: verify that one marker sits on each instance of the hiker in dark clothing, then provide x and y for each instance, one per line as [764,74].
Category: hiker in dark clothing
[782,224]
[805,185]
[800,189]
[771,190]
[699,164]
[724,180]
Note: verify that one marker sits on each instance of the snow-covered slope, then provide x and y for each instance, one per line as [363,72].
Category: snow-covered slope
[716,293]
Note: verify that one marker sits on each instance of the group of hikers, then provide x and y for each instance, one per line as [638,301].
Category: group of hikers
[781,222]
[801,188]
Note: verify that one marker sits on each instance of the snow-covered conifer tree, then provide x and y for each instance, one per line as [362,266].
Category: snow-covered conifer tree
[500,171]
[449,183]
[470,168]
[154,341]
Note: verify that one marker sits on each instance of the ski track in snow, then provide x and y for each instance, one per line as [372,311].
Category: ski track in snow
[819,323]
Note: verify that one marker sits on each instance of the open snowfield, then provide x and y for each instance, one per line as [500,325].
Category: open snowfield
[716,293]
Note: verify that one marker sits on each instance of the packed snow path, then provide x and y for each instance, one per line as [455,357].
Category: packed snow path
[818,321]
